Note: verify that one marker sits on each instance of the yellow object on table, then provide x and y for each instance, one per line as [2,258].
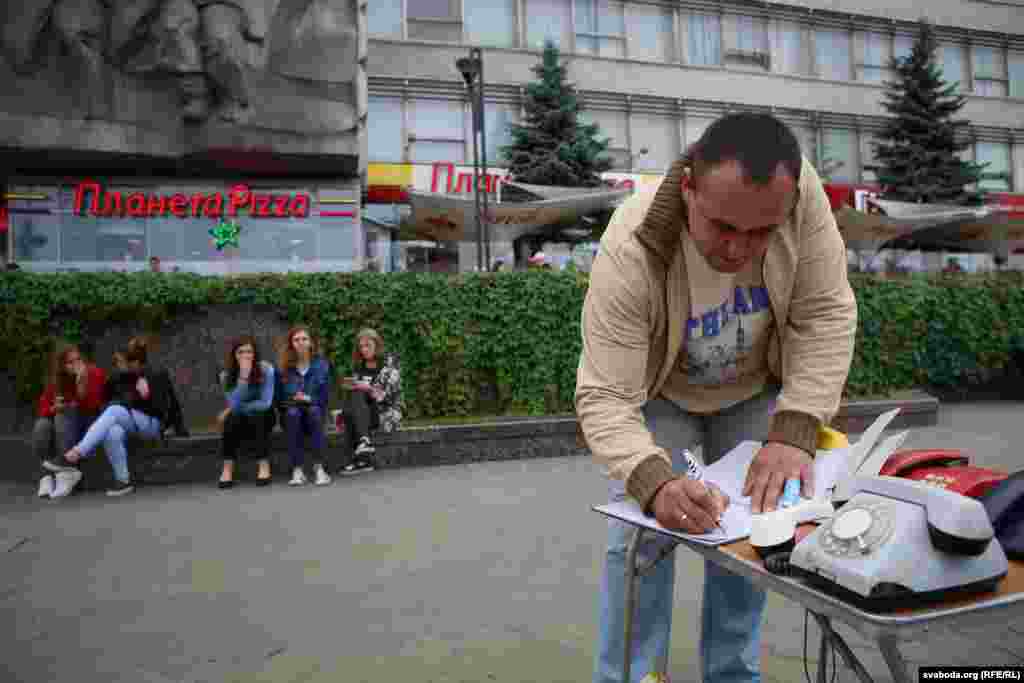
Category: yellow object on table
[829,438]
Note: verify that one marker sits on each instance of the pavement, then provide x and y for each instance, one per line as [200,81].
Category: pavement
[468,573]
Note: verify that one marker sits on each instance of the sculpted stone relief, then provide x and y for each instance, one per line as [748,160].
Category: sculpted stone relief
[204,44]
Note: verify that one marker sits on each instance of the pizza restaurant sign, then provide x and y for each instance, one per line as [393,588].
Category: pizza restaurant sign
[448,178]
[238,200]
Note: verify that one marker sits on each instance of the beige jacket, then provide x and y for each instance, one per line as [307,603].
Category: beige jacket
[635,313]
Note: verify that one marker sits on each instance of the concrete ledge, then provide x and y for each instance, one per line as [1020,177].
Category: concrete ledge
[197,458]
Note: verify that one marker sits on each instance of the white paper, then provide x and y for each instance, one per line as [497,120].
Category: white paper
[735,520]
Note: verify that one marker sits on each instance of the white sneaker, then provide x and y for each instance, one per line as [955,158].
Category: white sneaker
[65,482]
[298,477]
[45,486]
[322,478]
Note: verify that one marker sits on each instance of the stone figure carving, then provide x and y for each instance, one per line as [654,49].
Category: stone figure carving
[30,29]
[205,43]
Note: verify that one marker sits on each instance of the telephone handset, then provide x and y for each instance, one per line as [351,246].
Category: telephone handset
[956,524]
[944,468]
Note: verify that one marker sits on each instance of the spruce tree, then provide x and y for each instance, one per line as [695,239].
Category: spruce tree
[918,159]
[551,146]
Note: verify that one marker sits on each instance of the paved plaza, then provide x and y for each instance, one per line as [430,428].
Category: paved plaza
[468,573]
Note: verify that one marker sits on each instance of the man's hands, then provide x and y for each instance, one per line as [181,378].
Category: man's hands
[689,506]
[301,396]
[222,416]
[769,470]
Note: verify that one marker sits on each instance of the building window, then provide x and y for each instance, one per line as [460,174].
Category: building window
[600,28]
[989,71]
[548,20]
[497,119]
[747,42]
[832,54]
[876,51]
[703,39]
[951,59]
[650,33]
[35,224]
[438,131]
[491,23]
[789,55]
[869,157]
[659,136]
[385,20]
[996,176]
[902,46]
[435,20]
[838,157]
[384,132]
[1015,71]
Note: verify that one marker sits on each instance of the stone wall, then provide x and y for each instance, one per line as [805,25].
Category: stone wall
[192,349]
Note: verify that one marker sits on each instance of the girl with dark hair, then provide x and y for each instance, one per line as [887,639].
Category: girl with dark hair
[305,386]
[141,401]
[375,401]
[71,401]
[248,384]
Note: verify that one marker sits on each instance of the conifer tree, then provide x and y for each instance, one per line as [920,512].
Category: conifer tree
[552,146]
[917,156]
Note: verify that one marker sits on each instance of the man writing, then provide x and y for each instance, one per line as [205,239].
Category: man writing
[718,311]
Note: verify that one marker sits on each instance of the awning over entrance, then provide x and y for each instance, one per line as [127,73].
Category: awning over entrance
[448,217]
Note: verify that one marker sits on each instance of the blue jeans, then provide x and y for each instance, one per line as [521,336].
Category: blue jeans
[111,429]
[297,423]
[732,606]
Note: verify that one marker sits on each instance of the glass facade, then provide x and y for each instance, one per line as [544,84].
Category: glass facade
[281,227]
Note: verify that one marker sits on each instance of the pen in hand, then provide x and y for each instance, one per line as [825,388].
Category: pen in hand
[695,472]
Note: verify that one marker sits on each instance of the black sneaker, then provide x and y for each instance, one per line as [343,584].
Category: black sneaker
[58,464]
[357,467]
[365,447]
[120,488]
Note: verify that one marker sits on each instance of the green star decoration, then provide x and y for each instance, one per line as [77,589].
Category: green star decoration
[225,234]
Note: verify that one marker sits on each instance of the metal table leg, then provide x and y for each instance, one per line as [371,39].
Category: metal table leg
[894,659]
[627,641]
[827,634]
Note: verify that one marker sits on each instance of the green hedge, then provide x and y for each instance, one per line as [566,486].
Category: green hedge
[517,332]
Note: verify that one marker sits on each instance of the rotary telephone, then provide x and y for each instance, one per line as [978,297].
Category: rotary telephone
[945,468]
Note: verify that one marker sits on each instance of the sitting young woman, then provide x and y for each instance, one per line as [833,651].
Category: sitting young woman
[141,401]
[375,401]
[305,388]
[71,401]
[248,384]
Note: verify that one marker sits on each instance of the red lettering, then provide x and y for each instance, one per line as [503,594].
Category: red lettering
[433,177]
[240,197]
[214,206]
[468,179]
[629,184]
[280,205]
[179,203]
[110,205]
[156,206]
[262,203]
[300,205]
[136,204]
[197,199]
[80,190]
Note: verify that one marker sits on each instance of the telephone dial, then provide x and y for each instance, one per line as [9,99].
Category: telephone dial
[944,468]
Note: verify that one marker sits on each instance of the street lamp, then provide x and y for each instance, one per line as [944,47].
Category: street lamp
[472,70]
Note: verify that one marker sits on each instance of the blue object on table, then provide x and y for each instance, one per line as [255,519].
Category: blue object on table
[790,494]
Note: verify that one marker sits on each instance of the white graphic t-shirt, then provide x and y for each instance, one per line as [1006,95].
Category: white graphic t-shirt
[724,359]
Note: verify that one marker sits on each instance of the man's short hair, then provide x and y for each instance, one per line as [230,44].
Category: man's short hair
[758,142]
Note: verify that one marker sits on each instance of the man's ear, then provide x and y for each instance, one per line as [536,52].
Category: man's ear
[688,178]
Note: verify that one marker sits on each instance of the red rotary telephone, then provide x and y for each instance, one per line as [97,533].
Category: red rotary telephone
[943,467]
